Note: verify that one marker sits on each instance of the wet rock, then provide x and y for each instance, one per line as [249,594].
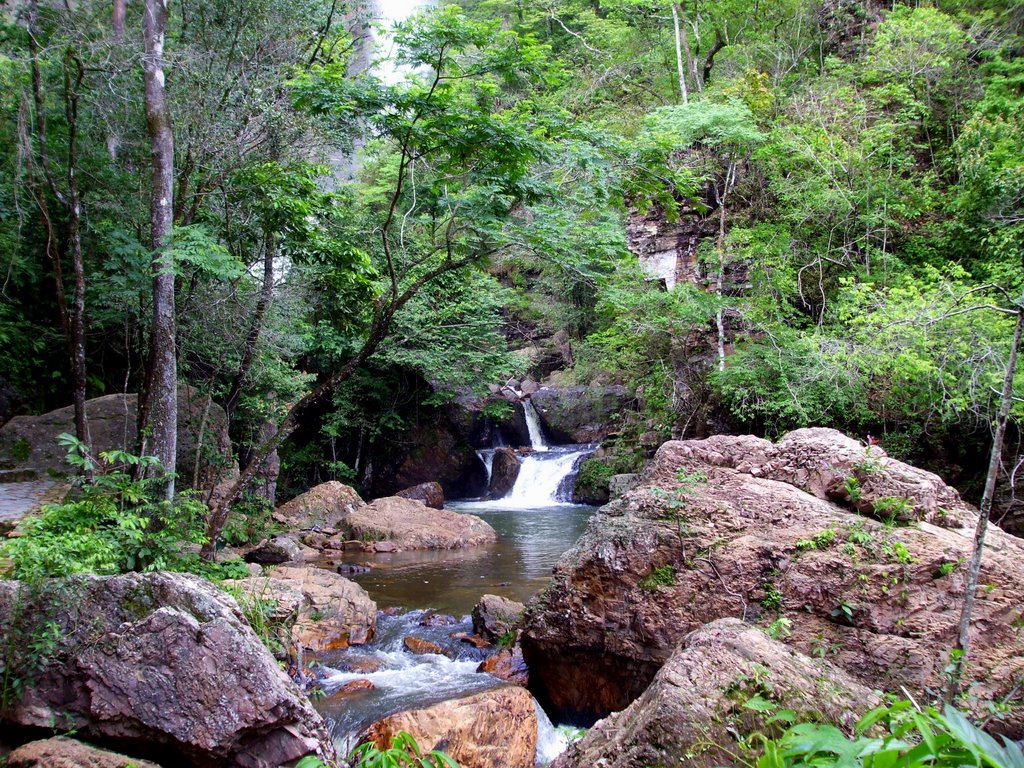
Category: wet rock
[411,525]
[495,616]
[30,442]
[708,535]
[355,686]
[494,729]
[581,414]
[475,640]
[504,471]
[364,665]
[438,620]
[529,386]
[319,609]
[695,704]
[349,569]
[62,752]
[419,646]
[509,665]
[280,549]
[160,662]
[384,546]
[430,494]
[322,506]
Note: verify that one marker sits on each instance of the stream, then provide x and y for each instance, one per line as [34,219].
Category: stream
[535,526]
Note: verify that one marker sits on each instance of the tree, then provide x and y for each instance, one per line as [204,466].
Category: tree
[158,421]
[460,181]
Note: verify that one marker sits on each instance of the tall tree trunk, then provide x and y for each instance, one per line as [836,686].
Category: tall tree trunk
[74,73]
[117,20]
[680,67]
[159,417]
[963,644]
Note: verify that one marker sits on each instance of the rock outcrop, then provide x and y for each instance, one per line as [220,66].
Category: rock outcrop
[31,441]
[493,729]
[725,528]
[694,707]
[319,610]
[322,506]
[581,414]
[410,524]
[504,470]
[494,616]
[431,494]
[61,752]
[159,664]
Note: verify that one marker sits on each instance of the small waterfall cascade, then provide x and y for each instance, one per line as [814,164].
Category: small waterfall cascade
[533,426]
[546,472]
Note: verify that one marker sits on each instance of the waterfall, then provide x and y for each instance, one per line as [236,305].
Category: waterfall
[541,476]
[533,426]
[486,455]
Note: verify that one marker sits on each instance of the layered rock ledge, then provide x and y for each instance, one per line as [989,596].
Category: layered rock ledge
[739,527]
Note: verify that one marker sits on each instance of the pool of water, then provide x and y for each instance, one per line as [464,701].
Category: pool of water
[530,542]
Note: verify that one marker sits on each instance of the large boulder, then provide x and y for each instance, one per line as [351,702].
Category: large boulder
[704,538]
[31,441]
[62,752]
[494,616]
[493,729]
[411,524]
[158,664]
[320,609]
[322,506]
[581,414]
[694,707]
[505,468]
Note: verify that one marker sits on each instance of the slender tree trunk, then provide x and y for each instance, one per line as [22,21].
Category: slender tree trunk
[730,179]
[963,643]
[117,20]
[680,69]
[159,423]
[72,82]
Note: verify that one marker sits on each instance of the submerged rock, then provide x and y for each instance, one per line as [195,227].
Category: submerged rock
[493,729]
[419,646]
[494,616]
[322,506]
[407,524]
[694,707]
[61,752]
[508,665]
[708,536]
[157,663]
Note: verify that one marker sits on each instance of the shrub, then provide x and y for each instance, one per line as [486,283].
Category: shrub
[113,525]
[910,738]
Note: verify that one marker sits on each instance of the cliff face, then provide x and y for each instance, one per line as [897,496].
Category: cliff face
[861,555]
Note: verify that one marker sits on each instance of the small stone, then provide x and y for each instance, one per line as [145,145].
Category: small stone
[385,546]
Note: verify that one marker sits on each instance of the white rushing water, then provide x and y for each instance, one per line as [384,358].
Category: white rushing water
[537,441]
[541,476]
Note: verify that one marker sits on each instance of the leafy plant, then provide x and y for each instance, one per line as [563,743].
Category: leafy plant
[403,752]
[910,738]
[662,576]
[113,526]
[772,599]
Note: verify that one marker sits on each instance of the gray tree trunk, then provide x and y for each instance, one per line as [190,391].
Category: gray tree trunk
[159,418]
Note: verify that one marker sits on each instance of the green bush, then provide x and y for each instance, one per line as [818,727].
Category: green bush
[113,525]
[901,735]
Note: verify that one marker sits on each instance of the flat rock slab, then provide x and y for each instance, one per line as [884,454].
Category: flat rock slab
[19,499]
